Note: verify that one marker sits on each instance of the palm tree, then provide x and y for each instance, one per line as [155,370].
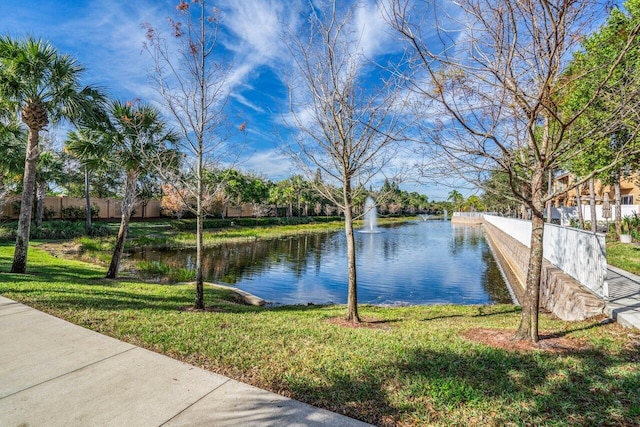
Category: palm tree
[85,145]
[40,85]
[456,199]
[12,149]
[136,140]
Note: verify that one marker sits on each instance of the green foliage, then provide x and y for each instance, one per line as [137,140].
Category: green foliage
[7,232]
[612,108]
[12,147]
[32,71]
[100,230]
[498,195]
[165,271]
[216,223]
[55,230]
[456,198]
[394,200]
[181,275]
[154,267]
[624,256]
[76,212]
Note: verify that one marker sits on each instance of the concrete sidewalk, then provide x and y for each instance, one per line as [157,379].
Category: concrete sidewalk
[623,304]
[54,373]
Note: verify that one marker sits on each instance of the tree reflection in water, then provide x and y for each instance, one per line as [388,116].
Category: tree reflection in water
[425,262]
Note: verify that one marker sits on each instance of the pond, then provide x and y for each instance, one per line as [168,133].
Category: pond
[420,262]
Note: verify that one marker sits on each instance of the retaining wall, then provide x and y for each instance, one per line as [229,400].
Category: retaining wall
[579,253]
[107,208]
[560,293]
[466,218]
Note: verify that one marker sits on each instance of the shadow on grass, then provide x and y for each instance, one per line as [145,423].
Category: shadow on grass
[483,311]
[583,388]
[116,299]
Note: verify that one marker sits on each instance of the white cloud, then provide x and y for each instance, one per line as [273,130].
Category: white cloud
[272,163]
[256,26]
[107,39]
[373,30]
[244,101]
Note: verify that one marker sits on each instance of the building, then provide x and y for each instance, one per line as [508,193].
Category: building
[565,201]
[629,191]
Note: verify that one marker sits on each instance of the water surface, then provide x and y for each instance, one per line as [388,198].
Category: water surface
[425,262]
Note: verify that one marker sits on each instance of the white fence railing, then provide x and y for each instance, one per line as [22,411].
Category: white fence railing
[566,213]
[472,214]
[579,253]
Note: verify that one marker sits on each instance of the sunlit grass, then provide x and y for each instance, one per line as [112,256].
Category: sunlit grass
[624,255]
[407,366]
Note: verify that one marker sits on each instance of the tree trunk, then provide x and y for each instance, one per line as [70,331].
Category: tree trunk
[592,204]
[128,203]
[4,192]
[41,188]
[579,206]
[549,192]
[352,297]
[618,213]
[523,212]
[198,304]
[87,199]
[528,329]
[24,223]
[199,301]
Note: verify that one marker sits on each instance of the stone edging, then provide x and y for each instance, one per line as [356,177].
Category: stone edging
[246,297]
[559,293]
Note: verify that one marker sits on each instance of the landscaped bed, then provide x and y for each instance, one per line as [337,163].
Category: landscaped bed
[429,365]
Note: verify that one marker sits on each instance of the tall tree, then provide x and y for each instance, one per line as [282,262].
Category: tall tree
[138,136]
[79,145]
[346,129]
[134,140]
[192,81]
[600,49]
[42,86]
[456,198]
[493,74]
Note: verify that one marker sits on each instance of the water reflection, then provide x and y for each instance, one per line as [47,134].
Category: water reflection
[426,262]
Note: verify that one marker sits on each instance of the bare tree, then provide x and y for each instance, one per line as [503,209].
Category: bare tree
[193,83]
[490,80]
[346,130]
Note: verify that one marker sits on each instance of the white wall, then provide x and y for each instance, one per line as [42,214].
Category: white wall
[579,253]
[566,213]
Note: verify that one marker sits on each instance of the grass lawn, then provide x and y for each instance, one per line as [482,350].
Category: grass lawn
[624,255]
[403,366]
[162,235]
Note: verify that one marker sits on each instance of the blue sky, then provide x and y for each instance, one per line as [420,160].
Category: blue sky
[107,38]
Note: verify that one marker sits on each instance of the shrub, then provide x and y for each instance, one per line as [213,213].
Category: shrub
[154,267]
[100,230]
[181,275]
[48,213]
[76,212]
[57,230]
[215,223]
[7,232]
